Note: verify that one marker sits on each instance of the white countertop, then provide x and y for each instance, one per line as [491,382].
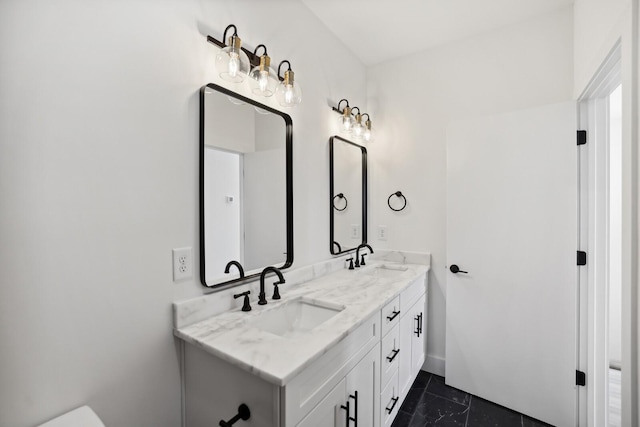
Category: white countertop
[277,359]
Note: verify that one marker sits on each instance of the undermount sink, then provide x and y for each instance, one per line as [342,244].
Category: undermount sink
[386,270]
[295,317]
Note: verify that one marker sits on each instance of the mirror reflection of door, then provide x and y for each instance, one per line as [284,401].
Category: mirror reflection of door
[347,195]
[244,187]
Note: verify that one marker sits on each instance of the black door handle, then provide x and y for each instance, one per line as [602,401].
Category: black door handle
[455,269]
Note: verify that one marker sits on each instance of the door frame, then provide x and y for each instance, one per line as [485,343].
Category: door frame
[593,220]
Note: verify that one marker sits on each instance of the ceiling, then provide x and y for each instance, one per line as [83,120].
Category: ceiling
[380,30]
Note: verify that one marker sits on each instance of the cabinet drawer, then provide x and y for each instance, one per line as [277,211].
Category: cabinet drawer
[390,355]
[410,295]
[390,315]
[389,402]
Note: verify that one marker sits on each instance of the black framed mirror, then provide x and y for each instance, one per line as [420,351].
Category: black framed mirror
[347,195]
[246,188]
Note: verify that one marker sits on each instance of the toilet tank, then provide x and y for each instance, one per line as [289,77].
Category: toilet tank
[81,417]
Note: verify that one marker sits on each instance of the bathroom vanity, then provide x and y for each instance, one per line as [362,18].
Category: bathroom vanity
[340,350]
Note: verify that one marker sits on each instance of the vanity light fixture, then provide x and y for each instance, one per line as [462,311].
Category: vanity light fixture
[358,127]
[345,122]
[235,62]
[367,135]
[288,93]
[262,79]
[231,61]
[348,124]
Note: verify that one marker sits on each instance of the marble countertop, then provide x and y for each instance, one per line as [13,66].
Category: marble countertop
[277,359]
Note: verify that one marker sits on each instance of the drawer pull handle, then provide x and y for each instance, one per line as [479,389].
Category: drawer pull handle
[354,396]
[347,410]
[395,353]
[418,330]
[393,315]
[348,418]
[393,405]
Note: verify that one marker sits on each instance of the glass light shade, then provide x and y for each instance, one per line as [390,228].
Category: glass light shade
[358,127]
[231,62]
[367,134]
[346,121]
[263,81]
[288,93]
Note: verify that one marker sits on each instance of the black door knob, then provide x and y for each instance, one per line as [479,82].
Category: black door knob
[455,269]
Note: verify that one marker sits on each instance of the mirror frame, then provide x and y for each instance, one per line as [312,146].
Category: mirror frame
[289,185]
[331,191]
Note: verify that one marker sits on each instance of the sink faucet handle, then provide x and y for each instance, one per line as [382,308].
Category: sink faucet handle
[350,263]
[246,306]
[276,291]
[362,260]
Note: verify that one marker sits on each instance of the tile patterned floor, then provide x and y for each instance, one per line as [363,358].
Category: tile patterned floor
[431,402]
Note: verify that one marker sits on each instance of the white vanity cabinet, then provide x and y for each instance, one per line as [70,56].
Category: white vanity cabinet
[360,380]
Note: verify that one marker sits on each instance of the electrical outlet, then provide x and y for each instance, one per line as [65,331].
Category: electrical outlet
[355,231]
[382,232]
[182,264]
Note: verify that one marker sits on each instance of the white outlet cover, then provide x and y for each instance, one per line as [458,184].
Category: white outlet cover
[382,232]
[182,264]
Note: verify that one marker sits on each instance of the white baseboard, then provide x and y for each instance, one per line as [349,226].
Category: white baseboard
[434,364]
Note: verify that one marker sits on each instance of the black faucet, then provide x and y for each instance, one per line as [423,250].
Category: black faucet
[358,262]
[237,264]
[262,299]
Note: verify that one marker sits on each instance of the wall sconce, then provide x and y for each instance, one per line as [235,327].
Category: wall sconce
[263,79]
[347,123]
[231,62]
[234,63]
[288,93]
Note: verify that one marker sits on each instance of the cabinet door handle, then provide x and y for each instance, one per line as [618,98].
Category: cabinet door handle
[393,405]
[354,396]
[347,410]
[393,315]
[395,353]
[420,324]
[417,331]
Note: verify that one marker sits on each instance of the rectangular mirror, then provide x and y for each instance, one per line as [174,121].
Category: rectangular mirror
[348,195]
[246,197]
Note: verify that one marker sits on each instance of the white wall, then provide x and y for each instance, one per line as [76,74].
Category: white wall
[99,181]
[413,99]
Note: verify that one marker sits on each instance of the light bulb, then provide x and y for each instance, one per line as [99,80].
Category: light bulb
[263,79]
[367,134]
[234,64]
[345,122]
[231,62]
[358,128]
[288,93]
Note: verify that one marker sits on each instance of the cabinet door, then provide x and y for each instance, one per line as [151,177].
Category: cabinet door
[418,336]
[329,412]
[363,390]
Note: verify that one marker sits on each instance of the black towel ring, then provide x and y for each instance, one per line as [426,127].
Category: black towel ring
[340,196]
[397,194]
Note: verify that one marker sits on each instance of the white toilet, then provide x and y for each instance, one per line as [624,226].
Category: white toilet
[81,417]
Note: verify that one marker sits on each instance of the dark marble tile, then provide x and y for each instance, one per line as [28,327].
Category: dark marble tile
[483,413]
[530,422]
[437,411]
[411,401]
[439,388]
[403,419]
[422,380]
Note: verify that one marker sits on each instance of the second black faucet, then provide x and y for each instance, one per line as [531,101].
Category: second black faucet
[262,299]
